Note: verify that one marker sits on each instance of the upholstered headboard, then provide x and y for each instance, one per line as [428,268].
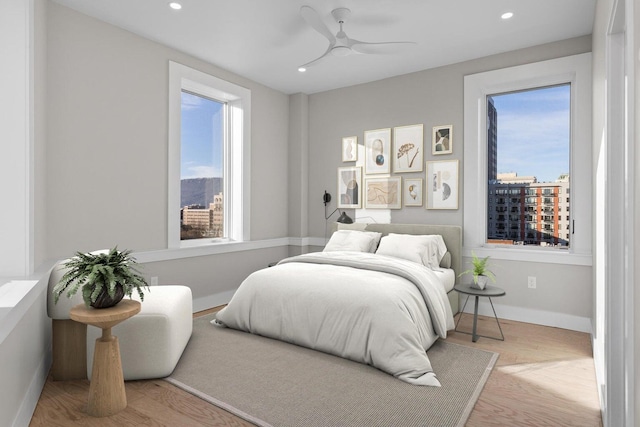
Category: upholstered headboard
[451,234]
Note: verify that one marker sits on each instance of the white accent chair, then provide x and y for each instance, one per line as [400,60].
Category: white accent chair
[151,342]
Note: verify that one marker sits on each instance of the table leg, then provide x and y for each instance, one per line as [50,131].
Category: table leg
[106,392]
[474,335]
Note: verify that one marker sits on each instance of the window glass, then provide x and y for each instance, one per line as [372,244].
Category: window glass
[528,158]
[201,167]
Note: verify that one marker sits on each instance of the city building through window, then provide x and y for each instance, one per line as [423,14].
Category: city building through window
[201,167]
[528,159]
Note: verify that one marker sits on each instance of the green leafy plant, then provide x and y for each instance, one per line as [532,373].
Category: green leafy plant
[113,273]
[480,268]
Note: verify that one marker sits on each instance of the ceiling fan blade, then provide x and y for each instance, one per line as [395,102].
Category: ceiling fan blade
[376,48]
[311,16]
[310,63]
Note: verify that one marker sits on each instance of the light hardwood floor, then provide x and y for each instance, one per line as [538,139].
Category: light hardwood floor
[544,377]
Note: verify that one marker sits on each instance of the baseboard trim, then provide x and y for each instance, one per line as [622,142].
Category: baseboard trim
[519,314]
[210,301]
[31,397]
[529,315]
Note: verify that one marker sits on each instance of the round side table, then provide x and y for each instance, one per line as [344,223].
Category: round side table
[488,291]
[106,390]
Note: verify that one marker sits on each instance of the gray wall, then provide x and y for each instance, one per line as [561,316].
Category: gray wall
[636,258]
[106,152]
[435,97]
[107,139]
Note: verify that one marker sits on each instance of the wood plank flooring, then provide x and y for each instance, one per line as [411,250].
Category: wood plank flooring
[544,377]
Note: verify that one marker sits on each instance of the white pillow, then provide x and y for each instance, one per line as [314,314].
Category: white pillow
[353,240]
[427,250]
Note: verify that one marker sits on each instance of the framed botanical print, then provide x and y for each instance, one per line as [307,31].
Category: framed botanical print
[442,184]
[412,194]
[350,149]
[383,193]
[442,141]
[408,150]
[377,151]
[350,187]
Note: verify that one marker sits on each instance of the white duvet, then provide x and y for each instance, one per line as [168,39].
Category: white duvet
[373,309]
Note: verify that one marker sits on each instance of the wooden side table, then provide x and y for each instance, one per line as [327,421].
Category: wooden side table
[488,291]
[106,391]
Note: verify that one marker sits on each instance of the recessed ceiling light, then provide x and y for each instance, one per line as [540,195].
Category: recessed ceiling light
[302,69]
[175,6]
[507,15]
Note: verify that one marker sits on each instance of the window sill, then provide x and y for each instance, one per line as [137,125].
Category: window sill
[519,253]
[220,247]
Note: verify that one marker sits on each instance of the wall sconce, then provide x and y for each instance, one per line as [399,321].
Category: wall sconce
[343,218]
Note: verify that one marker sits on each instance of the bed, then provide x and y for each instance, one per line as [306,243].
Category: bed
[379,294]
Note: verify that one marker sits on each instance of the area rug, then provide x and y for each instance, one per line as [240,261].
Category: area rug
[271,383]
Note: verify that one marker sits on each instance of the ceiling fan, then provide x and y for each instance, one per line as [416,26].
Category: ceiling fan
[340,44]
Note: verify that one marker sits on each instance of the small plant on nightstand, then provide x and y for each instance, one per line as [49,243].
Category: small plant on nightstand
[480,271]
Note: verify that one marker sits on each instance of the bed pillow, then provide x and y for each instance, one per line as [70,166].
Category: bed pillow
[445,262]
[353,240]
[427,250]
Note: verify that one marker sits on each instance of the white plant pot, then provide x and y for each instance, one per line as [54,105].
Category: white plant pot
[482,282]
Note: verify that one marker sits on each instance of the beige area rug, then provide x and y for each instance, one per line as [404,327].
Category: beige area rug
[271,383]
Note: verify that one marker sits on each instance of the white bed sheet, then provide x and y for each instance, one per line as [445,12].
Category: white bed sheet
[448,278]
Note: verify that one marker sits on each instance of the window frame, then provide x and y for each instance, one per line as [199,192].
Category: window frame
[236,162]
[576,70]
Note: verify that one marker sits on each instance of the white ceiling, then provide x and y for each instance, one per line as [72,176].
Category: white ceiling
[266,40]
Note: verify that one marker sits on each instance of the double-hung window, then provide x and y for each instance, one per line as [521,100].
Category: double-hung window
[209,123]
[527,135]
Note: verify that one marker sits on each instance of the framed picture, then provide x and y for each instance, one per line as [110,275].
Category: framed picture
[383,193]
[350,149]
[377,151]
[412,194]
[408,148]
[442,184]
[350,187]
[442,142]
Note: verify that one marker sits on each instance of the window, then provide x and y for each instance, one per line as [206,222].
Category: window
[209,142]
[528,143]
[202,141]
[571,74]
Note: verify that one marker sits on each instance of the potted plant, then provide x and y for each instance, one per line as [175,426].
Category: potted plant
[480,271]
[105,278]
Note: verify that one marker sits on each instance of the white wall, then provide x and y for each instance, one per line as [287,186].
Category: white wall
[435,97]
[25,356]
[16,152]
[601,23]
[635,20]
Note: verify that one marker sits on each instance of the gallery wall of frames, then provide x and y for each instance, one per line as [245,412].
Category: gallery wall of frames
[390,170]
